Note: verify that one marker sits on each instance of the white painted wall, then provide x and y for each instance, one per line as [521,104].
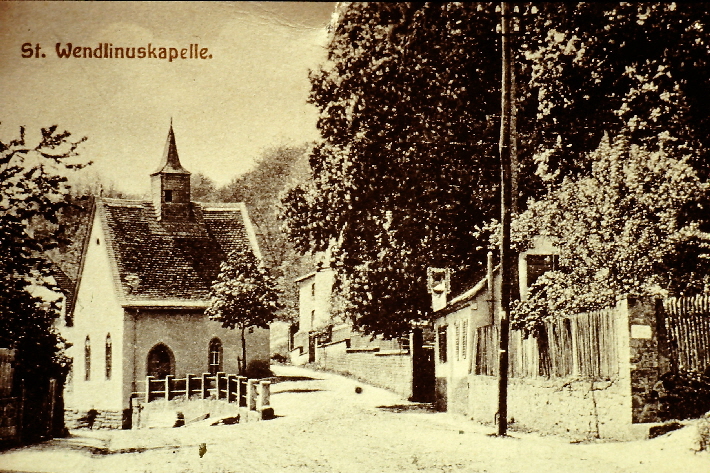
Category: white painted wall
[97,313]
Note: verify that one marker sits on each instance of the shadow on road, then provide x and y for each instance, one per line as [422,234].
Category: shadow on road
[399,408]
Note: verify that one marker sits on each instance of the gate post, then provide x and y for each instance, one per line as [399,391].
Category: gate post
[148,379]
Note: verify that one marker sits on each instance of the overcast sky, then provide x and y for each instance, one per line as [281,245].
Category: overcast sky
[249,96]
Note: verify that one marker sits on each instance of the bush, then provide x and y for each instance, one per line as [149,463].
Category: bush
[686,396]
[257,369]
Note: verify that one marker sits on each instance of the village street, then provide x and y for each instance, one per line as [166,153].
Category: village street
[324,425]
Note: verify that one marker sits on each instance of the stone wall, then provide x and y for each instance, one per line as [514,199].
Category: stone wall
[98,419]
[576,408]
[391,369]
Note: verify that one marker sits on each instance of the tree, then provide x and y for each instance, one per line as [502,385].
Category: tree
[407,165]
[596,67]
[33,192]
[244,295]
[277,169]
[621,230]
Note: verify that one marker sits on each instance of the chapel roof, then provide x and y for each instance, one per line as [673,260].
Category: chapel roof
[168,263]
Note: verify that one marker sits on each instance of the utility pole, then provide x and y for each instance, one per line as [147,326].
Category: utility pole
[506,256]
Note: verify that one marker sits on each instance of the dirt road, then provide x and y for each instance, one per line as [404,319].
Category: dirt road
[324,425]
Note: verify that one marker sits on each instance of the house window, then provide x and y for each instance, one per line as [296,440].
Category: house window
[313,318]
[464,339]
[109,355]
[313,290]
[442,343]
[87,359]
[539,265]
[215,356]
[168,196]
[457,339]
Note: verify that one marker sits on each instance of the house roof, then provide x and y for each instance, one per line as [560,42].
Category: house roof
[171,263]
[468,295]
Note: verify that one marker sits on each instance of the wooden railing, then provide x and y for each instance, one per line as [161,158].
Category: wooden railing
[254,394]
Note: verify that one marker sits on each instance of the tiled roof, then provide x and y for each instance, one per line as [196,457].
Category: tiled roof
[164,261]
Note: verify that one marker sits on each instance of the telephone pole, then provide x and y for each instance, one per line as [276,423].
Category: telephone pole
[507,259]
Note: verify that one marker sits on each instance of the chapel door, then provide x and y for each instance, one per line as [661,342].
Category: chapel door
[160,362]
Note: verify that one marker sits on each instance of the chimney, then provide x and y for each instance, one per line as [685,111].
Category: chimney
[438,282]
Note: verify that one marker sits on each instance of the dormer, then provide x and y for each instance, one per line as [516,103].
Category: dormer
[170,184]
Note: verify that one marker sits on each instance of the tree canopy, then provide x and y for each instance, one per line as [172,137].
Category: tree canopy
[33,192]
[244,295]
[621,230]
[409,101]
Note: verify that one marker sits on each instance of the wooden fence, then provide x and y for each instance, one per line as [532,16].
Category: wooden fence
[585,345]
[687,325]
[252,393]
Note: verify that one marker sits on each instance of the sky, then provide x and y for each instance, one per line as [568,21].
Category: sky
[249,94]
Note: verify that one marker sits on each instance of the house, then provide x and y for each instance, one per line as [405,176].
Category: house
[403,365]
[591,375]
[142,289]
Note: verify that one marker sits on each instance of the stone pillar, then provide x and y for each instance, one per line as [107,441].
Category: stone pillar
[264,401]
[251,394]
[648,358]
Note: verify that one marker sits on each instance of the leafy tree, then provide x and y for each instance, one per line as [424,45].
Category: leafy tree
[621,230]
[244,295]
[276,170]
[407,165]
[33,192]
[597,67]
[203,189]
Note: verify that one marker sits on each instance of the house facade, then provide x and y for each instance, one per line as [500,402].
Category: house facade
[142,290]
[402,365]
[590,375]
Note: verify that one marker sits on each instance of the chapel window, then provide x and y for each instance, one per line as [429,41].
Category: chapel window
[87,359]
[215,356]
[109,356]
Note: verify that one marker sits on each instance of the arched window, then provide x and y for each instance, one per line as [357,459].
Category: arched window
[160,362]
[215,356]
[87,359]
[109,355]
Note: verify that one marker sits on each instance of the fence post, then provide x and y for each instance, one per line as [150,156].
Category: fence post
[242,391]
[148,379]
[205,385]
[168,378]
[218,382]
[188,383]
[230,383]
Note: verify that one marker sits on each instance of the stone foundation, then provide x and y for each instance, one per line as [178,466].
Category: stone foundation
[93,419]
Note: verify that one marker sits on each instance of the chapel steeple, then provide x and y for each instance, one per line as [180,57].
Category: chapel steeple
[170,184]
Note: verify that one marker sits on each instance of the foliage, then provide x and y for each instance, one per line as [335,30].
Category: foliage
[597,67]
[33,193]
[407,165]
[619,231]
[244,295]
[276,170]
[685,395]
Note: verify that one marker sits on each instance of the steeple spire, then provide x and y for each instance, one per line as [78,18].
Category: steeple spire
[171,161]
[170,184]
